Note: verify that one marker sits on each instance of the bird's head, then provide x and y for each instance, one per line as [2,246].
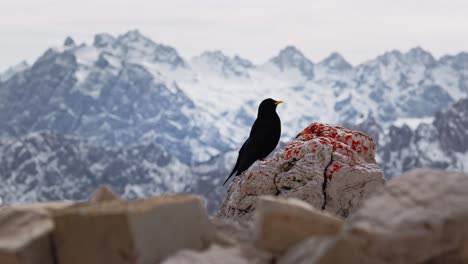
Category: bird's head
[268,106]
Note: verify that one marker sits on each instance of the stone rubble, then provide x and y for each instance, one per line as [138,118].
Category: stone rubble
[418,217]
[141,231]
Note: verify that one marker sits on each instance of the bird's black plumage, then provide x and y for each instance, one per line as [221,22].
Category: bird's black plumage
[263,138]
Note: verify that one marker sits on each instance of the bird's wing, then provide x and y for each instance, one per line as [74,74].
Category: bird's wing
[269,139]
[257,137]
[249,152]
[236,167]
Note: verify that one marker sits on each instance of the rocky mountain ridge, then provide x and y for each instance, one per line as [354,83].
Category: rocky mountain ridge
[440,143]
[127,92]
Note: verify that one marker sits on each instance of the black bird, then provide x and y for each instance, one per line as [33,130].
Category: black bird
[263,138]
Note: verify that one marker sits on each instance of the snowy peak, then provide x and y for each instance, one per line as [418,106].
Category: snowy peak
[292,58]
[243,62]
[458,62]
[418,55]
[69,42]
[415,56]
[103,40]
[441,144]
[128,90]
[10,72]
[133,36]
[393,57]
[221,64]
[137,48]
[219,57]
[336,62]
[461,61]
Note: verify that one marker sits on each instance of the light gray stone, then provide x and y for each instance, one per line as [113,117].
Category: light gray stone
[328,166]
[282,223]
[25,237]
[143,231]
[421,216]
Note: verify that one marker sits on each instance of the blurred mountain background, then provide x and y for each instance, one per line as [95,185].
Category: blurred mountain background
[129,112]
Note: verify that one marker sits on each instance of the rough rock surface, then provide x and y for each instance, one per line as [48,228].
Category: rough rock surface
[230,232]
[141,231]
[328,166]
[47,208]
[25,237]
[233,243]
[216,254]
[419,217]
[281,223]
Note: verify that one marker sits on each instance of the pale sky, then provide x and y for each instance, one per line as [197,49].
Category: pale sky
[254,29]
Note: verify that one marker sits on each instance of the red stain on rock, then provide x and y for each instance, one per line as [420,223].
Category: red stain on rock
[334,168]
[349,143]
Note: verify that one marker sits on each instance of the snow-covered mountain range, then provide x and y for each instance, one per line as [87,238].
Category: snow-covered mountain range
[121,95]
[442,143]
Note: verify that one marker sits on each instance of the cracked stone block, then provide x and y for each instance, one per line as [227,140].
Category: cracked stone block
[329,167]
[282,223]
[25,236]
[142,231]
[419,217]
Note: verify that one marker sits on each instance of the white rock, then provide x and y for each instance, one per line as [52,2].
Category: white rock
[421,216]
[327,166]
[25,237]
[142,231]
[282,223]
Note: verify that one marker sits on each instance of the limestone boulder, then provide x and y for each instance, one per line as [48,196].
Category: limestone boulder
[46,208]
[142,231]
[25,237]
[329,167]
[419,217]
[282,223]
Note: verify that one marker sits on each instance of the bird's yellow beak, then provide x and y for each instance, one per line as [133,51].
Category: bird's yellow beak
[278,102]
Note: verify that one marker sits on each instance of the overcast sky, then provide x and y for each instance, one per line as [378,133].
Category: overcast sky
[255,29]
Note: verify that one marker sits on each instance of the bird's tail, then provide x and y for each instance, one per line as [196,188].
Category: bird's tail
[230,175]
[214,188]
